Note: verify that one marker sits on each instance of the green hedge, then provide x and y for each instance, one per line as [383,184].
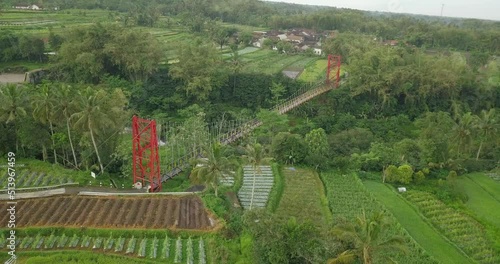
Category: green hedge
[277,190]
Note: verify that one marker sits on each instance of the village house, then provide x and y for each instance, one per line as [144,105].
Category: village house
[301,39]
[27,7]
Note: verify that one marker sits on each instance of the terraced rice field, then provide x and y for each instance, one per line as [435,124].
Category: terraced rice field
[26,178]
[303,197]
[257,184]
[461,229]
[187,212]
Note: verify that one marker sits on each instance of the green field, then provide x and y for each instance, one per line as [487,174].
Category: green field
[488,185]
[303,197]
[421,231]
[270,62]
[463,230]
[348,197]
[314,72]
[483,197]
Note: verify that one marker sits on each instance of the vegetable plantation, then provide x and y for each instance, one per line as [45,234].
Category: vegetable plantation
[165,249]
[348,198]
[303,197]
[257,184]
[26,179]
[461,229]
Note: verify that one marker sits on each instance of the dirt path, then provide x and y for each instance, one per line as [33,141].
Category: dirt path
[11,77]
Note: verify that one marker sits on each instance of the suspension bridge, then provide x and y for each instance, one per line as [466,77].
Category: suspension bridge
[146,162]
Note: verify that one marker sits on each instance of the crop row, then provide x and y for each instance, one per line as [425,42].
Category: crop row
[464,231]
[348,197]
[27,178]
[257,184]
[176,250]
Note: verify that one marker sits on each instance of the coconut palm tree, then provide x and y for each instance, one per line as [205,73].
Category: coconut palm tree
[255,155]
[213,167]
[487,127]
[13,103]
[366,236]
[43,110]
[64,108]
[464,131]
[93,115]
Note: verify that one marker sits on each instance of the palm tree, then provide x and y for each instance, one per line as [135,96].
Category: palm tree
[43,110]
[487,128]
[255,156]
[213,167]
[12,105]
[463,131]
[93,115]
[64,107]
[366,236]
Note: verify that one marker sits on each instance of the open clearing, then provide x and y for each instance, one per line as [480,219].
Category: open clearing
[303,197]
[421,231]
[187,212]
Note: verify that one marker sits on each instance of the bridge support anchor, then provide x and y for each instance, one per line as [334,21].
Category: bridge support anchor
[334,62]
[145,159]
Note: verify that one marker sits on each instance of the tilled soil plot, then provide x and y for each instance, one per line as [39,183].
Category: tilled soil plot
[187,212]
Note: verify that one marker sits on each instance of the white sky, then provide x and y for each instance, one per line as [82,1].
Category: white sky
[483,9]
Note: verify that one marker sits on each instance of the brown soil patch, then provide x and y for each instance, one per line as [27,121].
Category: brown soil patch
[187,212]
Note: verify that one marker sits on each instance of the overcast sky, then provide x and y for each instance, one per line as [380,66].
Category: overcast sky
[484,9]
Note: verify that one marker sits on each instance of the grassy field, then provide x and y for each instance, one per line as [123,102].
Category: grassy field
[303,197]
[483,197]
[488,185]
[315,71]
[270,62]
[421,231]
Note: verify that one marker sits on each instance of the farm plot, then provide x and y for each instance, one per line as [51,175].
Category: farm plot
[186,212]
[303,197]
[347,198]
[461,229]
[270,62]
[27,178]
[257,184]
[167,249]
[420,230]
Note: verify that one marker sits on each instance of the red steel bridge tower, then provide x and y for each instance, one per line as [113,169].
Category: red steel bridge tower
[145,159]
[334,62]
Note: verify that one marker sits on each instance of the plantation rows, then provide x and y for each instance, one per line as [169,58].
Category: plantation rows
[187,212]
[302,197]
[347,199]
[172,250]
[25,179]
[463,230]
[257,184]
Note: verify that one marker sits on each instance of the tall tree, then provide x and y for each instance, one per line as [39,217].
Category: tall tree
[464,131]
[213,167]
[255,155]
[367,237]
[43,110]
[96,112]
[201,69]
[65,106]
[487,127]
[13,104]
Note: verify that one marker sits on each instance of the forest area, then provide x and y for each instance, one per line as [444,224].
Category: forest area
[420,112]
